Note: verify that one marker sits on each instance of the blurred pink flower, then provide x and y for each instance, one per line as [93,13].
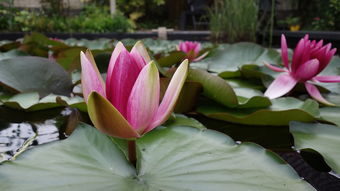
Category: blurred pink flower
[309,59]
[192,50]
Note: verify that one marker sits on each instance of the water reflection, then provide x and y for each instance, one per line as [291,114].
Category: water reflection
[14,133]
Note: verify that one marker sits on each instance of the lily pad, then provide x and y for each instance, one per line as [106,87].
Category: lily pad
[12,54]
[280,113]
[231,57]
[249,94]
[30,101]
[330,114]
[29,74]
[182,120]
[178,158]
[322,138]
[173,58]
[214,87]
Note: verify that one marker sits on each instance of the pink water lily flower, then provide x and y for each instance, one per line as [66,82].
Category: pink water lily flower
[192,50]
[309,59]
[127,105]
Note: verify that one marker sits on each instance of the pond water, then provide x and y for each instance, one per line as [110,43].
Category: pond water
[14,135]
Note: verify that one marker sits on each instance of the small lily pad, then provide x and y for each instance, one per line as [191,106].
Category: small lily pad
[322,138]
[281,112]
[31,101]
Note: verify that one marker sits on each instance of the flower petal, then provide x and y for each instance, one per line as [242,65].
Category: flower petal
[144,98]
[124,75]
[307,70]
[140,54]
[327,57]
[297,55]
[183,47]
[280,86]
[90,76]
[170,97]
[284,52]
[201,57]
[327,79]
[107,118]
[197,47]
[274,68]
[315,93]
[119,47]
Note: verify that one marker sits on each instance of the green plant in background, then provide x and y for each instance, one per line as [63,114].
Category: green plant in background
[136,9]
[293,23]
[234,20]
[92,19]
[320,14]
[330,18]
[98,19]
[53,7]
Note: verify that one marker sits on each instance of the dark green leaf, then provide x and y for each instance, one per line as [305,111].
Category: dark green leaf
[29,74]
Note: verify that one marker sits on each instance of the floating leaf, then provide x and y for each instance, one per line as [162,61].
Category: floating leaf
[248,94]
[12,54]
[214,87]
[330,114]
[29,74]
[281,112]
[182,120]
[173,58]
[188,97]
[31,102]
[322,138]
[178,158]
[231,57]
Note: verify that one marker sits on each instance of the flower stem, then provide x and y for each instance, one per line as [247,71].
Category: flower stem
[132,152]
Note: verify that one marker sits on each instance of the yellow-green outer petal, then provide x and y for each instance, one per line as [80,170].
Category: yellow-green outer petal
[107,118]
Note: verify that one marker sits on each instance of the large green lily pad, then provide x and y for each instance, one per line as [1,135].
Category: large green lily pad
[322,138]
[281,112]
[177,158]
[29,74]
[231,57]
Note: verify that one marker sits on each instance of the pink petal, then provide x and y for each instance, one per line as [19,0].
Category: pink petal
[274,68]
[90,76]
[280,86]
[119,47]
[328,79]
[325,59]
[124,75]
[170,97]
[197,48]
[144,98]
[315,93]
[140,54]
[307,70]
[201,57]
[183,47]
[297,55]
[306,55]
[306,37]
[284,52]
